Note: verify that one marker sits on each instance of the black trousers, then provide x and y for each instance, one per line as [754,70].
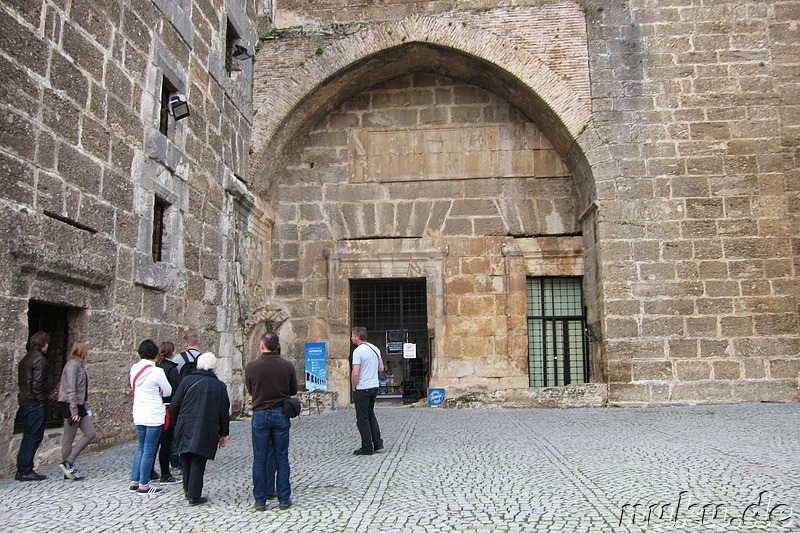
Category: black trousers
[366,422]
[194,467]
[163,453]
[165,450]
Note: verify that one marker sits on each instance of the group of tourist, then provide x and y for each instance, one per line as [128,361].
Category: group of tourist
[181,407]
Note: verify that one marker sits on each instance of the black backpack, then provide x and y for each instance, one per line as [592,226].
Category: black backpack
[189,363]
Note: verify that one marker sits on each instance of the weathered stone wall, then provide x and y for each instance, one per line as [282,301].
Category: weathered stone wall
[315,12]
[683,175]
[698,210]
[304,73]
[572,396]
[81,160]
[424,176]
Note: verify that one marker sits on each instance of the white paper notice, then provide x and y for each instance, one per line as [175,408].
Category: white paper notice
[409,351]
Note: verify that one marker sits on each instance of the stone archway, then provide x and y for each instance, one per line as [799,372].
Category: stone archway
[302,76]
[307,91]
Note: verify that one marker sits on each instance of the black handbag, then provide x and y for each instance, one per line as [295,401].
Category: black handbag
[291,407]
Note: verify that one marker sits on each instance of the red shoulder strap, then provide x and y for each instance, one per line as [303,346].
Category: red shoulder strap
[133,385]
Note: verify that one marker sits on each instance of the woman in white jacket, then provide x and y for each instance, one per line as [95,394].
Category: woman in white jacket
[148,385]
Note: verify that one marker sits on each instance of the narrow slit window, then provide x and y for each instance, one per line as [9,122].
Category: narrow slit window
[232,38]
[166,123]
[159,215]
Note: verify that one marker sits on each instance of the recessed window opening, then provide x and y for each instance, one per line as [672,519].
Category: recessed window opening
[166,123]
[232,38]
[160,208]
[557,348]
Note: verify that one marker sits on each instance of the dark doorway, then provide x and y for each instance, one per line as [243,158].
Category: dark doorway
[54,320]
[395,313]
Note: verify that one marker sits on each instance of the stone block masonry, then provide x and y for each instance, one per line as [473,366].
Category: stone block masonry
[648,147]
[363,188]
[679,180]
[86,151]
[712,202]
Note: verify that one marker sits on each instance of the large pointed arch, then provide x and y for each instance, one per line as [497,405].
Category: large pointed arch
[296,88]
[291,100]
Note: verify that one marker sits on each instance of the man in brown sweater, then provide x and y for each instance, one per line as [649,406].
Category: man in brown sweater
[270,380]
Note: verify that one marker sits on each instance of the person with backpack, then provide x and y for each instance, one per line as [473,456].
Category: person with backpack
[164,361]
[188,357]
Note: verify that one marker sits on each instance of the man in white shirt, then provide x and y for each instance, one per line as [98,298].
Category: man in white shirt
[367,362]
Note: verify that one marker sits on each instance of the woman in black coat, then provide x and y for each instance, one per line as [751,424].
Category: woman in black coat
[200,408]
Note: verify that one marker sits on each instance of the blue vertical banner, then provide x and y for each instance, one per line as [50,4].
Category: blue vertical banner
[316,366]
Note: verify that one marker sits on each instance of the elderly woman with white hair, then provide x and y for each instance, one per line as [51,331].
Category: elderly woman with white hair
[200,408]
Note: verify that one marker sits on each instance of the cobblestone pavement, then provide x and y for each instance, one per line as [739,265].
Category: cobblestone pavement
[692,469]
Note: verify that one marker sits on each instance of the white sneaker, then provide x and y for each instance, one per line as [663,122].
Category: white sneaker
[68,469]
[70,472]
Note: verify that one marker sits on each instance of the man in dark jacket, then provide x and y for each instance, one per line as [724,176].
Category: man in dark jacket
[201,411]
[32,398]
[270,380]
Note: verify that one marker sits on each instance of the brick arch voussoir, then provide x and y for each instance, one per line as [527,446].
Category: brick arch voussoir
[291,97]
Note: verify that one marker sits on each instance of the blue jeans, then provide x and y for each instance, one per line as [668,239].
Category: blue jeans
[32,417]
[271,454]
[147,437]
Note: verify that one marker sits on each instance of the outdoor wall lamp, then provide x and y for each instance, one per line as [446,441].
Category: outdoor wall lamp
[180,109]
[241,53]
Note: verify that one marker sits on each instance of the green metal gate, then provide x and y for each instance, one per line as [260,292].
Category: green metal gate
[557,349]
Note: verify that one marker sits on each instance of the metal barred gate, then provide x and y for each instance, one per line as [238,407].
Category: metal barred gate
[557,349]
[395,312]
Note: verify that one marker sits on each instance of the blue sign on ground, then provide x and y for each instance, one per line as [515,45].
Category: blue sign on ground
[435,397]
[316,366]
